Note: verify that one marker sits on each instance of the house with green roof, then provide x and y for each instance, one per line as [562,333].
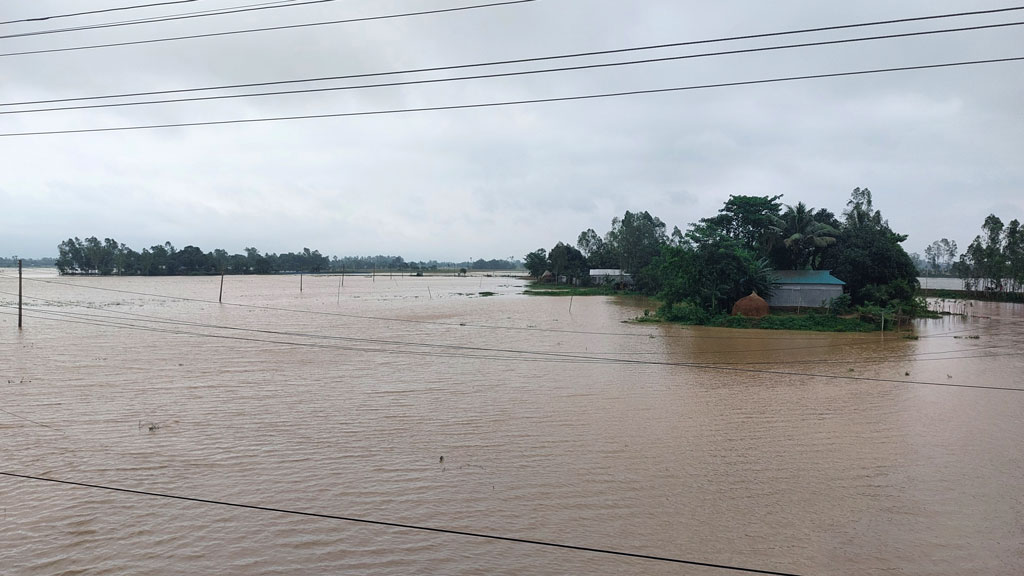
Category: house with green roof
[805,289]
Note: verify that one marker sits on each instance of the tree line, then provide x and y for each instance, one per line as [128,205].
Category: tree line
[724,257]
[106,257]
[994,261]
[12,262]
[109,257]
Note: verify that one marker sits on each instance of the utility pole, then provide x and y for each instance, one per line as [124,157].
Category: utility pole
[19,293]
[220,297]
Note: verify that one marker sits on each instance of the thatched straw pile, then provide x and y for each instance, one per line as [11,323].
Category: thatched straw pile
[752,306]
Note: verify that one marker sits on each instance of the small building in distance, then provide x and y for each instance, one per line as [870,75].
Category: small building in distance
[805,289]
[603,276]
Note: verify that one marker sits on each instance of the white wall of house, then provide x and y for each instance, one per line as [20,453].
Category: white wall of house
[804,295]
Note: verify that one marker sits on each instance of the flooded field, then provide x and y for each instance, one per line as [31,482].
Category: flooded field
[420,401]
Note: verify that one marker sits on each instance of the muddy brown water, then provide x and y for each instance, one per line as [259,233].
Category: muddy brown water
[574,428]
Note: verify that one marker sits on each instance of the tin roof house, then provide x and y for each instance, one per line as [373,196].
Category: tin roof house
[601,276]
[805,289]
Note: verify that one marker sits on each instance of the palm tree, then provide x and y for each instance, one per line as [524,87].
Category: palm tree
[804,236]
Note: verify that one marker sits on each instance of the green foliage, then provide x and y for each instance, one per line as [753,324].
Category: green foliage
[939,256]
[994,261]
[840,305]
[868,256]
[536,262]
[568,261]
[752,220]
[712,271]
[683,312]
[807,322]
[108,257]
[805,235]
[637,239]
[569,290]
[598,253]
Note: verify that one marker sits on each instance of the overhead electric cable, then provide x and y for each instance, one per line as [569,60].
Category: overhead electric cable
[172,17]
[519,102]
[390,351]
[518,72]
[116,318]
[120,314]
[513,61]
[104,10]
[399,320]
[271,28]
[20,417]
[211,12]
[399,525]
[573,357]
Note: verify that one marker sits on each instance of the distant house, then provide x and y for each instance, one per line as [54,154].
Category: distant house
[602,276]
[805,289]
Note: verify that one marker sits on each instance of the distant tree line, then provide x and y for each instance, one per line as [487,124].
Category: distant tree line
[994,261]
[110,257]
[724,257]
[12,262]
[106,257]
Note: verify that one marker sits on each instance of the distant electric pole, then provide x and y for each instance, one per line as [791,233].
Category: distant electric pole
[19,293]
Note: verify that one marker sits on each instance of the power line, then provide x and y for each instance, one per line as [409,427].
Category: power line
[519,102]
[626,361]
[516,73]
[95,319]
[41,18]
[211,12]
[19,417]
[173,17]
[867,339]
[399,320]
[516,61]
[399,525]
[119,314]
[270,28]
[389,351]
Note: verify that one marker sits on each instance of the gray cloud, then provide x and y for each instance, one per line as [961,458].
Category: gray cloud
[940,148]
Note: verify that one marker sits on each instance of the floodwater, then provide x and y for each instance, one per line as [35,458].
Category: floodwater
[802,453]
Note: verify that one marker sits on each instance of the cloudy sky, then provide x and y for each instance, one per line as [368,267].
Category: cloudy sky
[940,149]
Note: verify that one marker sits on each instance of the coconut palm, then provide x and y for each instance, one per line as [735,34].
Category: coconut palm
[804,236]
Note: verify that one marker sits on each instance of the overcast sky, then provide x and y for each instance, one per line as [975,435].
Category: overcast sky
[940,149]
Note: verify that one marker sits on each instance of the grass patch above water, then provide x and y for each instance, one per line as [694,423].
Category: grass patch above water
[566,290]
[683,313]
[811,322]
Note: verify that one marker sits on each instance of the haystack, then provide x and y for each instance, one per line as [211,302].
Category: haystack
[752,306]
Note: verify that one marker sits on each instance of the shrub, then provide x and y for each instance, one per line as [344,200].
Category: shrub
[684,312]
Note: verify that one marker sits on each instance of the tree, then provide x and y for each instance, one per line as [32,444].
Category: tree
[637,238]
[1013,248]
[994,261]
[868,255]
[805,236]
[711,271]
[861,212]
[568,261]
[598,253]
[536,262]
[939,255]
[752,220]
